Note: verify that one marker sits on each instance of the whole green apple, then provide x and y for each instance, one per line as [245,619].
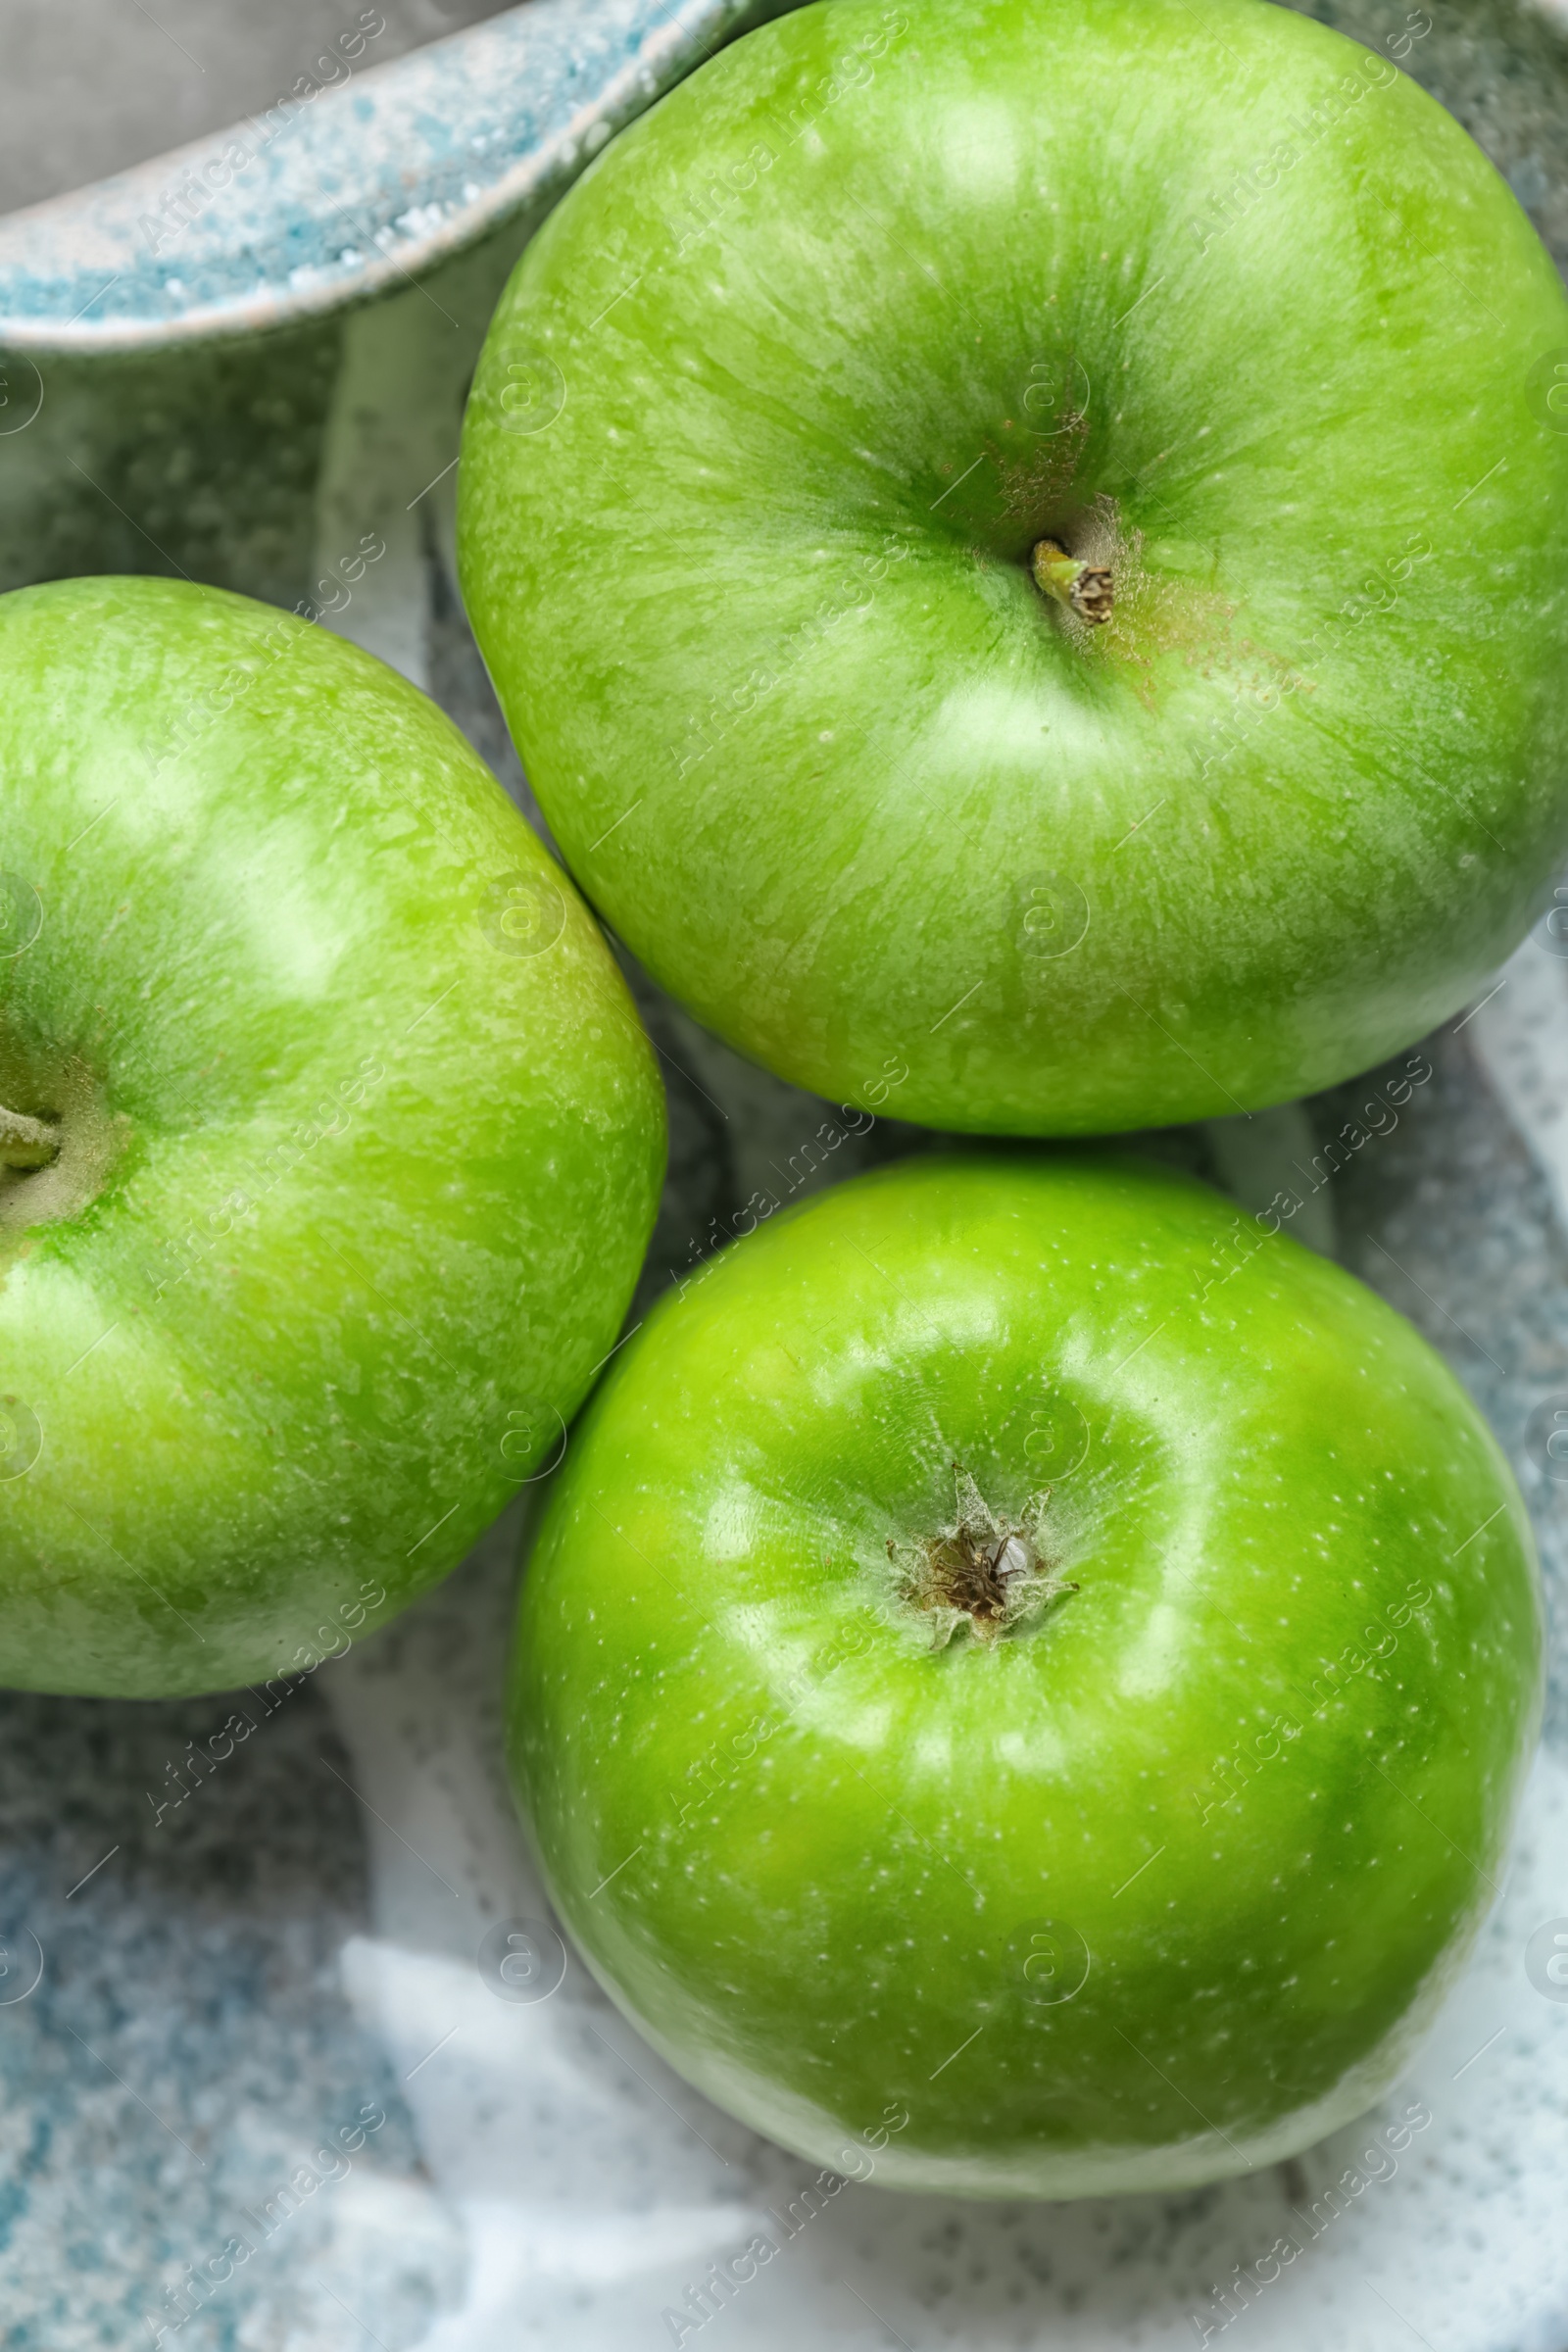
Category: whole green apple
[330,1142]
[1027,1672]
[1026,537]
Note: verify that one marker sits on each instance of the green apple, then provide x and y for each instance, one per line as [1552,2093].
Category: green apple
[1027,538]
[330,1142]
[1021,1651]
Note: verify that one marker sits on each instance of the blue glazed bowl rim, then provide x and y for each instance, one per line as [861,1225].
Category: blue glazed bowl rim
[329,198]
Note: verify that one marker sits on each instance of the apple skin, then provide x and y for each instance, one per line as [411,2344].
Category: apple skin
[774,410]
[362,1142]
[1259,1768]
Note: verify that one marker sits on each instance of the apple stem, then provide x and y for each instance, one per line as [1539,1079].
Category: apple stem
[25,1142]
[1088,590]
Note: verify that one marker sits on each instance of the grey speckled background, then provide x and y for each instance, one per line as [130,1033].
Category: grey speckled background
[297,1941]
[188,2046]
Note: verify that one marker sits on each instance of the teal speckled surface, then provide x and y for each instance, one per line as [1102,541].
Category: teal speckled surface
[188,2047]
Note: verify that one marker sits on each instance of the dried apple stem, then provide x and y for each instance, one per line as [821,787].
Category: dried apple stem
[1086,588]
[25,1142]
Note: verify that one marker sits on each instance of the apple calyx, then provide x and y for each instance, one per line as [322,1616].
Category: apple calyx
[25,1142]
[1088,590]
[985,1572]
